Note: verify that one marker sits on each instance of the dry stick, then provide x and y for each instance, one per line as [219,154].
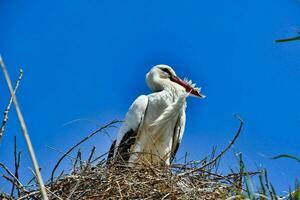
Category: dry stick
[5,196]
[217,165]
[10,173]
[59,151]
[14,183]
[90,158]
[24,131]
[29,195]
[73,190]
[79,143]
[222,152]
[77,160]
[5,118]
[91,155]
[34,177]
[61,174]
[17,158]
[80,195]
[18,166]
[99,157]
[53,194]
[212,156]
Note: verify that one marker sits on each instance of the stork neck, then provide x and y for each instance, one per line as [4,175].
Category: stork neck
[175,90]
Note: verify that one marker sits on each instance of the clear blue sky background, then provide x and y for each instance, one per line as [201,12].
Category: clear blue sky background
[88,60]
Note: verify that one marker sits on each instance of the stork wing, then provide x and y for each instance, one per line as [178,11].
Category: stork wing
[178,133]
[111,152]
[128,131]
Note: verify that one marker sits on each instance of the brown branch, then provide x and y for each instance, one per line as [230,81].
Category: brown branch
[91,155]
[34,177]
[59,151]
[29,195]
[13,182]
[222,152]
[24,131]
[99,157]
[5,196]
[79,143]
[17,158]
[6,112]
[76,160]
[73,190]
[11,174]
[80,159]
[90,158]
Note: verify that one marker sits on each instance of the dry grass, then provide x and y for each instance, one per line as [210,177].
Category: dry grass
[143,181]
[94,179]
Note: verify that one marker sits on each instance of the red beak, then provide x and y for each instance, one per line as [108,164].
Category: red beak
[188,88]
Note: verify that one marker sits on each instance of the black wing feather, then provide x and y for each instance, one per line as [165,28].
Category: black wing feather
[175,136]
[111,152]
[174,152]
[123,152]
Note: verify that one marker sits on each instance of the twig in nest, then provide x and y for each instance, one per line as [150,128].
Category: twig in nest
[6,112]
[5,196]
[17,158]
[91,155]
[12,175]
[78,159]
[99,157]
[79,143]
[34,176]
[222,152]
[58,197]
[73,190]
[29,195]
[59,151]
[24,130]
[13,182]
[90,158]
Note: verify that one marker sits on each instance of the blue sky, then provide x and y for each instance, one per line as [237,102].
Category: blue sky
[88,59]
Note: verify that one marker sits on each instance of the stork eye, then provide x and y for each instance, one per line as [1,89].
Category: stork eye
[167,71]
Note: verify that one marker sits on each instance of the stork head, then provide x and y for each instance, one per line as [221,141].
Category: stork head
[161,77]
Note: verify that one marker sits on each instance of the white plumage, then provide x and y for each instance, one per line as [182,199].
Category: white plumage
[154,124]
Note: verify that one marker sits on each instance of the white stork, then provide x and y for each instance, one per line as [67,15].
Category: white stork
[154,124]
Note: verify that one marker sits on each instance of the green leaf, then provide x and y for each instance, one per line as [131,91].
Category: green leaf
[288,39]
[274,192]
[263,189]
[286,156]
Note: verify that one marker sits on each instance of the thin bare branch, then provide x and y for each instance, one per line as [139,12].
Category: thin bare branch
[6,112]
[13,182]
[12,175]
[91,155]
[222,152]
[24,131]
[17,159]
[59,151]
[29,195]
[77,160]
[79,143]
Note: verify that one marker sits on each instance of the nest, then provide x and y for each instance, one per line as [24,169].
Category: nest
[143,181]
[94,179]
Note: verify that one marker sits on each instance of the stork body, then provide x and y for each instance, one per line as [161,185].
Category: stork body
[154,125]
